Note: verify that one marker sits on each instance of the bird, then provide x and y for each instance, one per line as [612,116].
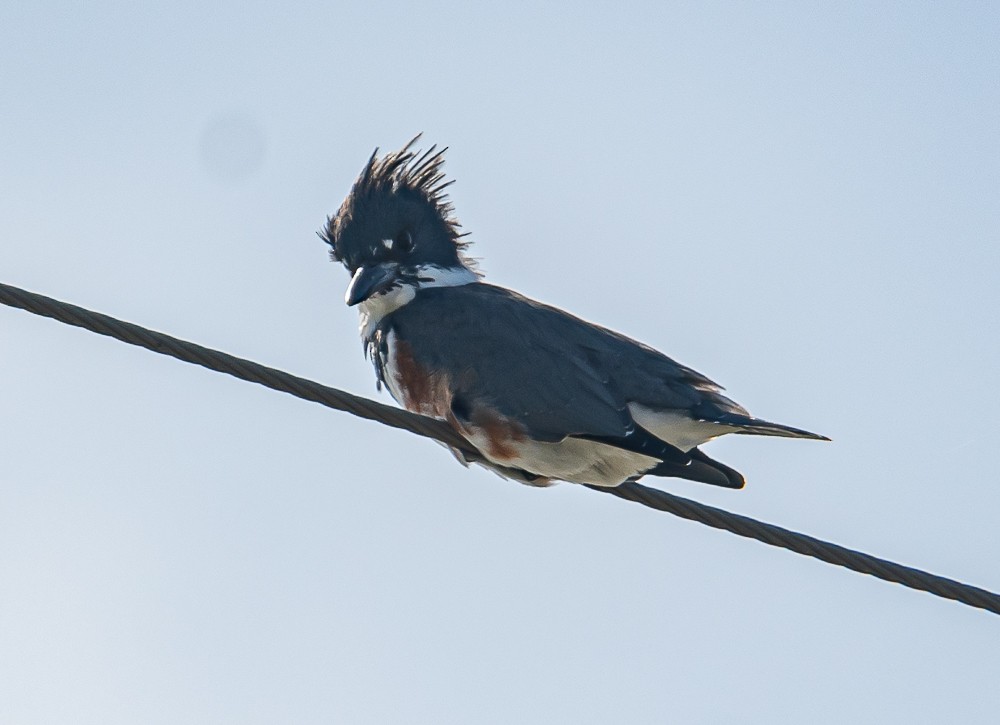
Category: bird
[543,395]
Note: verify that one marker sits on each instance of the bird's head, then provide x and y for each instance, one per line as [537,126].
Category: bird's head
[395,231]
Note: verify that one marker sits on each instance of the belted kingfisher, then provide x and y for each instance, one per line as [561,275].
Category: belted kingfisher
[543,395]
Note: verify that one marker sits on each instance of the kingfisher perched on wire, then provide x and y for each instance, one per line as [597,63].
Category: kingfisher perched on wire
[543,395]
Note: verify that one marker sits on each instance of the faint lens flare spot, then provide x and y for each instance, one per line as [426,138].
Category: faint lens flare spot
[232,147]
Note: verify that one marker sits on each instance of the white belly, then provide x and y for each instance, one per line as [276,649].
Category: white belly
[572,459]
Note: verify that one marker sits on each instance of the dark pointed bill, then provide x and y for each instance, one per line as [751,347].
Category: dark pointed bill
[370,281]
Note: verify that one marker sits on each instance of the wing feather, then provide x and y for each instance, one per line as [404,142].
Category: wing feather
[555,373]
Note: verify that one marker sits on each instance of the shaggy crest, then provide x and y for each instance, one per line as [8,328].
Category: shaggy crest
[405,172]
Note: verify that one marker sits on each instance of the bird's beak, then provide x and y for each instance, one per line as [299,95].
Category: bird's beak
[369,281]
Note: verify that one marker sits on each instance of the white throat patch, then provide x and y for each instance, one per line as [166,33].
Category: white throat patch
[376,307]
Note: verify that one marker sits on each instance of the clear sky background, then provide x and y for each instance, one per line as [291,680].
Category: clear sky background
[800,200]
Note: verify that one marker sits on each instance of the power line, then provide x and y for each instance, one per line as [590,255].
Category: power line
[429,427]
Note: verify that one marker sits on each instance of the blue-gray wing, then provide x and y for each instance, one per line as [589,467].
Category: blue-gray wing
[556,374]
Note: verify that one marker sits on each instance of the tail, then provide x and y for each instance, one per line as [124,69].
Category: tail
[748,425]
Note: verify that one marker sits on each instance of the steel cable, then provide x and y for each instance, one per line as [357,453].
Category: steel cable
[429,427]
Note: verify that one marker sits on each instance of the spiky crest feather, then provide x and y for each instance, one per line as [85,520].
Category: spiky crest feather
[421,173]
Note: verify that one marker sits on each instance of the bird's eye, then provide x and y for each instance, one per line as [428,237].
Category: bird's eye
[403,242]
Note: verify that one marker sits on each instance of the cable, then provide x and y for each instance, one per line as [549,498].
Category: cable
[432,428]
[804,544]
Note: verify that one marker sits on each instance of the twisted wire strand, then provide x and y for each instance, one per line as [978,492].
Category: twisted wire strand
[429,427]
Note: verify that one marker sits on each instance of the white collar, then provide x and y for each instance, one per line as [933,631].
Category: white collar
[373,309]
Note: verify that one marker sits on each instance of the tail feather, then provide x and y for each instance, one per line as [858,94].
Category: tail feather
[749,425]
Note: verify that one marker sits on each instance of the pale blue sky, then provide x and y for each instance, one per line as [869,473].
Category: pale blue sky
[800,200]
